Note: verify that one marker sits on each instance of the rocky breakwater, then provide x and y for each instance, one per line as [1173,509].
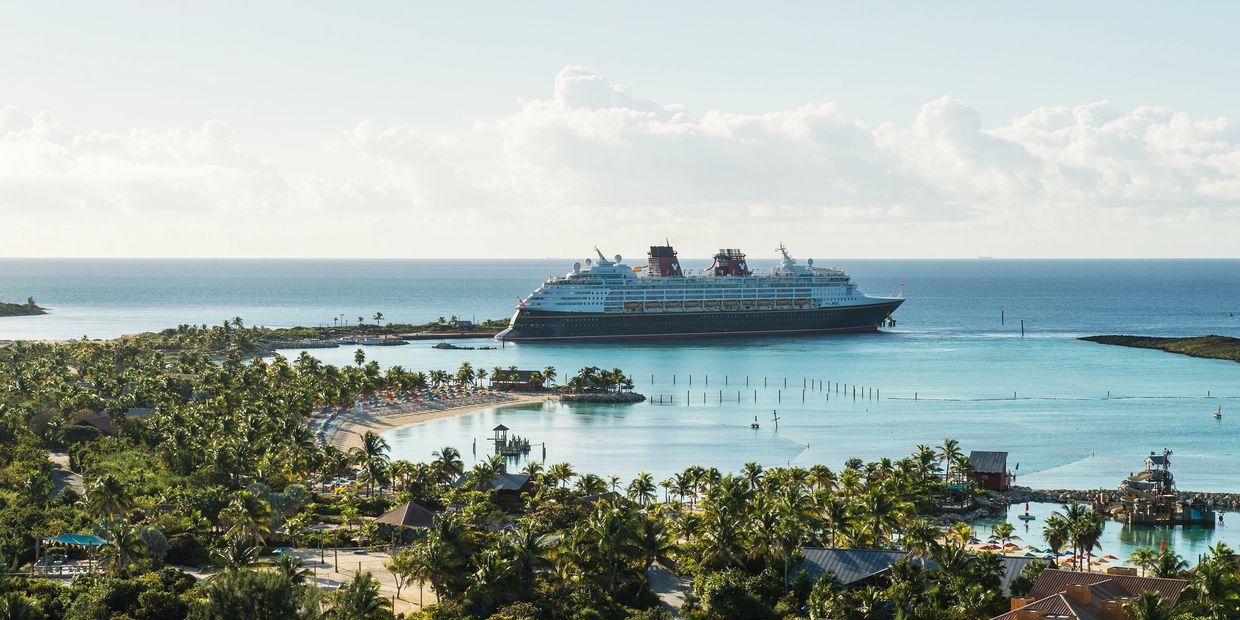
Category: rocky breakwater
[1020,495]
[602,397]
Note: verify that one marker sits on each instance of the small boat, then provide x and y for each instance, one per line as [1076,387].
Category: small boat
[673,304]
[762,303]
[691,304]
[754,424]
[1026,516]
[652,304]
[631,305]
[712,304]
[747,302]
[782,302]
[729,303]
[1218,413]
[801,302]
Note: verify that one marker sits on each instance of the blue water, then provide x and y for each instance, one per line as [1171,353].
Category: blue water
[1071,413]
[1119,539]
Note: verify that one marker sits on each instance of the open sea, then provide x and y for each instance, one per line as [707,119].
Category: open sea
[1071,414]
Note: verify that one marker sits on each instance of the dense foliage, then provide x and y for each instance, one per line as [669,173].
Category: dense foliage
[224,468]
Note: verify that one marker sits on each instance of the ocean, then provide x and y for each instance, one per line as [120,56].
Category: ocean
[1071,414]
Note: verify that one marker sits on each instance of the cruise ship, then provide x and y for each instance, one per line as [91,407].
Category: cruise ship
[607,299]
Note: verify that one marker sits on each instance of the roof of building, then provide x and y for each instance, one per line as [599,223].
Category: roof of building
[847,566]
[501,427]
[408,514]
[101,421]
[501,482]
[984,462]
[1158,459]
[1054,600]
[514,375]
[1053,580]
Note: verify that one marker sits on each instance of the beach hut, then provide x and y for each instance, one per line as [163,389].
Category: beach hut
[988,470]
[404,521]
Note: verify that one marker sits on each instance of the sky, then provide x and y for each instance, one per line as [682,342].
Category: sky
[542,129]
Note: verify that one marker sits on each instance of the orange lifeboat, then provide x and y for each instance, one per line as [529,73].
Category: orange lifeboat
[632,305]
[782,302]
[652,304]
[729,303]
[691,304]
[801,302]
[712,304]
[672,304]
[763,303]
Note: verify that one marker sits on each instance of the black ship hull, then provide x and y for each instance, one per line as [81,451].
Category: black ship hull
[529,325]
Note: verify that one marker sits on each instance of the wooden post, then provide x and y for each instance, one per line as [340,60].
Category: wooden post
[1022,328]
[785,381]
[673,378]
[779,396]
[802,395]
[725,380]
[755,396]
[708,379]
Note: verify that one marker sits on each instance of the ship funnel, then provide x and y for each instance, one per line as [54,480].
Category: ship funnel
[662,262]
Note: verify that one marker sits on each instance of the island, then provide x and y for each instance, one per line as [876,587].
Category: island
[1212,347]
[27,309]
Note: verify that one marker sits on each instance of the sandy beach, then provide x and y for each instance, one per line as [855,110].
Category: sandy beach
[347,432]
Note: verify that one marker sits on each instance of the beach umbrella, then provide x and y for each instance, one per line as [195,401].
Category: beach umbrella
[1109,557]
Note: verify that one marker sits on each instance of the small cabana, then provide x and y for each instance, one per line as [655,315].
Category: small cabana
[404,521]
[56,563]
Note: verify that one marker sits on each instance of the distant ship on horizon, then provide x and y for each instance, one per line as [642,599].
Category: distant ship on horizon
[606,299]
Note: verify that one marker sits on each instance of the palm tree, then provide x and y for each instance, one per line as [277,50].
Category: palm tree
[359,599]
[653,545]
[1004,531]
[1168,564]
[447,464]
[1150,606]
[15,606]
[643,489]
[949,452]
[880,512]
[359,356]
[107,498]
[378,318]
[487,583]
[248,516]
[1143,558]
[236,553]
[590,484]
[372,455]
[549,374]
[1057,532]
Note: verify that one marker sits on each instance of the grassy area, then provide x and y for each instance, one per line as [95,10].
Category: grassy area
[27,309]
[1213,347]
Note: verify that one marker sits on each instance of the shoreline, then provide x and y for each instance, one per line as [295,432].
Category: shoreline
[349,428]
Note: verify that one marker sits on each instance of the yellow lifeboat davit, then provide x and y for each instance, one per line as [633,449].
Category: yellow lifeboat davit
[712,304]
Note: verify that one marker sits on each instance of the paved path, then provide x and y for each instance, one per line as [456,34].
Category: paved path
[670,587]
[62,477]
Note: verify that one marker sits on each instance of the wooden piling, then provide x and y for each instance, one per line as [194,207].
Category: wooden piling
[779,396]
[802,395]
[1022,328]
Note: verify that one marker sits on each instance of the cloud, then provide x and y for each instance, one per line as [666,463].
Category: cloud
[593,152]
[45,166]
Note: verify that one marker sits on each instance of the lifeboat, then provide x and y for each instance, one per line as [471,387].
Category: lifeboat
[672,304]
[691,304]
[729,303]
[712,304]
[652,304]
[747,302]
[782,302]
[763,303]
[800,302]
[631,305]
